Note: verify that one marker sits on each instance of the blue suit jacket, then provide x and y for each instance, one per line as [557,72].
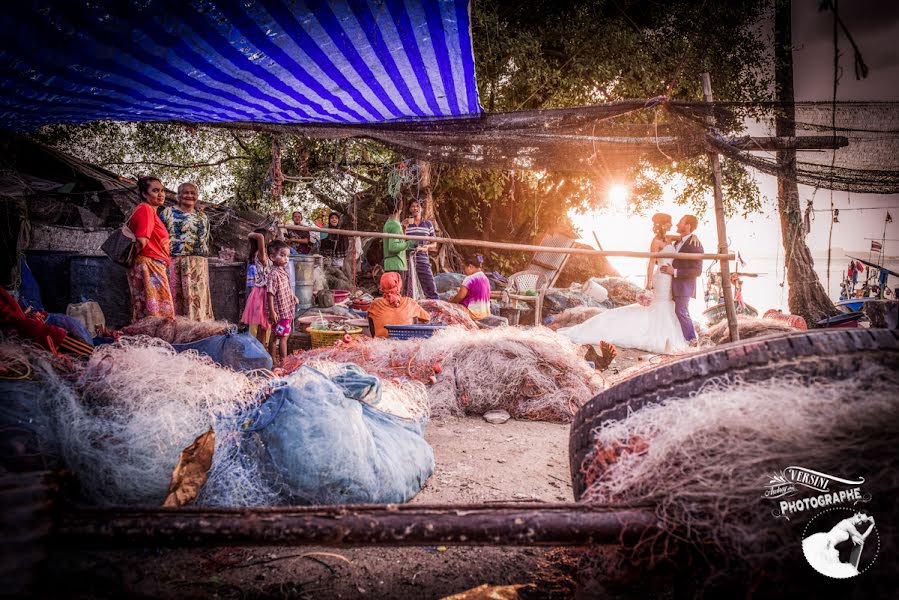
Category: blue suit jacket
[686,271]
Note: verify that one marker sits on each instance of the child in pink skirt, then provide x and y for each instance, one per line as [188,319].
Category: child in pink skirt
[259,266]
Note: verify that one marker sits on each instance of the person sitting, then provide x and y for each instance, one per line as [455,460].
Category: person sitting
[393,308]
[474,293]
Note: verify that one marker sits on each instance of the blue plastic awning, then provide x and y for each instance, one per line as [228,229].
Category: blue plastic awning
[272,61]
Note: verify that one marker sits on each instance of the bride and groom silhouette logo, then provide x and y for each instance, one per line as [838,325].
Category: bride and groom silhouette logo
[665,325]
[825,549]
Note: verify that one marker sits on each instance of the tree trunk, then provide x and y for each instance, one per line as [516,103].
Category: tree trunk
[807,297]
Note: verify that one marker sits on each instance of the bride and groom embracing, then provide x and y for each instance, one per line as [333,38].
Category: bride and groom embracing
[664,326]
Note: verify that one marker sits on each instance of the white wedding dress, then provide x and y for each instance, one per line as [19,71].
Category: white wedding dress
[653,328]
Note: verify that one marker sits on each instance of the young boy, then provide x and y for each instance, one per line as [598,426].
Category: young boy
[281,301]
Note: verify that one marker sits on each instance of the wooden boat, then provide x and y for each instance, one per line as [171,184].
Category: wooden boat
[716,313]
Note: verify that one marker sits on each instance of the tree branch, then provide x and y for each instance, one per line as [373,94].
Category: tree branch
[190,166]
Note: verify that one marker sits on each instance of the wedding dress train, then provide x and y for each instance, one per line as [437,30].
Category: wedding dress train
[652,328]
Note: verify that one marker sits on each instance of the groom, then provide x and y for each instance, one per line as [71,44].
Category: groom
[685,272]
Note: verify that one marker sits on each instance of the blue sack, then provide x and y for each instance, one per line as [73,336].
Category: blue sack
[238,352]
[72,326]
[29,290]
[321,445]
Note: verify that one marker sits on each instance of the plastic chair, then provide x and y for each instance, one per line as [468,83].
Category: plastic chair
[529,281]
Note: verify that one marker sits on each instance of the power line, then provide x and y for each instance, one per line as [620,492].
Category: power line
[863,208]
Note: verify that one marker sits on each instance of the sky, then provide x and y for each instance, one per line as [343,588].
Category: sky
[875,27]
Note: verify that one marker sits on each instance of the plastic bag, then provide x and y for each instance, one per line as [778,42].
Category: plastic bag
[322,445]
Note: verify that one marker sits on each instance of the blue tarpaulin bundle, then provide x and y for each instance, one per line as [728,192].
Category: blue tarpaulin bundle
[322,444]
[238,352]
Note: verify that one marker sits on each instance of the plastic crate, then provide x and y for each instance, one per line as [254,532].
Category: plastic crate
[407,332]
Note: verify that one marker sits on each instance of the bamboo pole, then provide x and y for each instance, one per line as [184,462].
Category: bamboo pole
[722,230]
[509,246]
[509,524]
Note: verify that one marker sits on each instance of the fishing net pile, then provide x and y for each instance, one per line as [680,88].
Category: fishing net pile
[447,313]
[120,421]
[749,327]
[533,374]
[621,291]
[180,330]
[702,462]
[575,316]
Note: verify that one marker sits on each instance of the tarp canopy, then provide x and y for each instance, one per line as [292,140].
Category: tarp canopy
[267,61]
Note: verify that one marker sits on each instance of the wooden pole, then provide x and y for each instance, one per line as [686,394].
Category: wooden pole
[519,247]
[722,230]
[510,524]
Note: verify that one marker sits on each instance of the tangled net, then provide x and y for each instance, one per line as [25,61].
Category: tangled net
[703,462]
[447,313]
[123,421]
[575,316]
[750,327]
[621,291]
[180,330]
[533,374]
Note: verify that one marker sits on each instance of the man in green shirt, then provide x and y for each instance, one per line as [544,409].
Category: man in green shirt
[394,249]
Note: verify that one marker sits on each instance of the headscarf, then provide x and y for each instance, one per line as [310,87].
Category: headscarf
[392,288]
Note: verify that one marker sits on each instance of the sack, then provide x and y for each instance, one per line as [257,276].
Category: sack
[120,246]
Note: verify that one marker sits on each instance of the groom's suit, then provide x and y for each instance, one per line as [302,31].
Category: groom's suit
[683,287]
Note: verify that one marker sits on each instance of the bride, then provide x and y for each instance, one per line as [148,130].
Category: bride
[653,328]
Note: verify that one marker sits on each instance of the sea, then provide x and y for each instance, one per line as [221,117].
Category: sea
[770,289]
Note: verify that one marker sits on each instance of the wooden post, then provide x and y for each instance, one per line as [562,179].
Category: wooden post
[722,230]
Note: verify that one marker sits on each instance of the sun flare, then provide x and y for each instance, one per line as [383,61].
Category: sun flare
[618,197]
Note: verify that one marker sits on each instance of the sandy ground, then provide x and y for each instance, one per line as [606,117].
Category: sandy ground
[476,462]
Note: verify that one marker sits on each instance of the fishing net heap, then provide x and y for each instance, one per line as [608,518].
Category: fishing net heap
[121,420]
[575,316]
[180,330]
[447,313]
[533,374]
[703,462]
[749,327]
[621,291]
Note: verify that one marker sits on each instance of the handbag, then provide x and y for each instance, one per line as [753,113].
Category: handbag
[121,245]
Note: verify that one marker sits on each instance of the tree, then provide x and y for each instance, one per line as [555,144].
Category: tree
[807,297]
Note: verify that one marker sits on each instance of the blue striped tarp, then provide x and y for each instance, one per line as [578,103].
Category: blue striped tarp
[270,61]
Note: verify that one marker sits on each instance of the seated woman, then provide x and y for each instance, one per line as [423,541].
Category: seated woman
[393,308]
[474,294]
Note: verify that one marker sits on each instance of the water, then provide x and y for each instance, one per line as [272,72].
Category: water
[766,291]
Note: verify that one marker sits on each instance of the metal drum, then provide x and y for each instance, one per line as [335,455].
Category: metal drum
[303,267]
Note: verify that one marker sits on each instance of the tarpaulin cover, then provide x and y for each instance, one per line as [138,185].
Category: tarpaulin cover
[324,445]
[273,61]
[238,352]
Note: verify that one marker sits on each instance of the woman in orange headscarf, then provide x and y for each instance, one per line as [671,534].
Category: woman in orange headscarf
[393,308]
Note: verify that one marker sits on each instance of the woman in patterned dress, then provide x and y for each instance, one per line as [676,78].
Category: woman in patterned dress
[189,241]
